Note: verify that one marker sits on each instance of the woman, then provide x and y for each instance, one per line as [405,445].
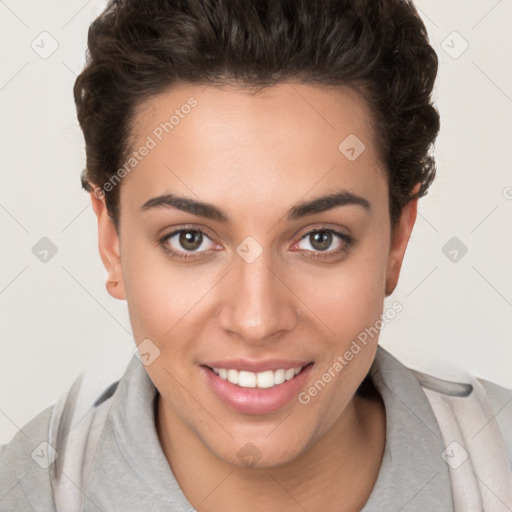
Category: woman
[255,171]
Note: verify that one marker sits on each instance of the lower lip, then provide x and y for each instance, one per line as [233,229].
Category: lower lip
[256,400]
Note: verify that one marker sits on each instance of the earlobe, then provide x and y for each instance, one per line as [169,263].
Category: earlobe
[109,247]
[116,288]
[399,240]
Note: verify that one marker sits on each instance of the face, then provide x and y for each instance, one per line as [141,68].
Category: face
[229,261]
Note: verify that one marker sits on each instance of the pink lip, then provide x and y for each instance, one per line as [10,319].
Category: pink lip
[256,366]
[256,400]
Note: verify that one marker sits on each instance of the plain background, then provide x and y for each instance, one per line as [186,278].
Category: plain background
[56,318]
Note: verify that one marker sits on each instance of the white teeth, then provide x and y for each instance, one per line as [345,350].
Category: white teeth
[279,376]
[265,379]
[289,374]
[246,379]
[232,376]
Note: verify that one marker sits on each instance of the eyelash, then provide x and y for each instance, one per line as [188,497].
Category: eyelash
[347,243]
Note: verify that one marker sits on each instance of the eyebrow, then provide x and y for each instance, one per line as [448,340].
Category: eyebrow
[202,209]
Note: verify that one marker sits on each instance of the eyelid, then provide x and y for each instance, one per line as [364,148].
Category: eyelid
[165,238]
[324,227]
[346,240]
[189,227]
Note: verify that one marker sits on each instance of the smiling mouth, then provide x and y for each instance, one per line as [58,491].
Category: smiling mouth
[263,380]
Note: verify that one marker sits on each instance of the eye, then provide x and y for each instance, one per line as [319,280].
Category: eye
[185,242]
[192,243]
[320,240]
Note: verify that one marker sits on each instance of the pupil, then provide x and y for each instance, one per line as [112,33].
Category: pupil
[190,240]
[322,240]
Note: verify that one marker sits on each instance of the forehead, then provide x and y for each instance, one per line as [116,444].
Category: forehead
[289,138]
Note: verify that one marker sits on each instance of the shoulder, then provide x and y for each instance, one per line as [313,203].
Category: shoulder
[501,403]
[33,462]
[477,404]
[24,461]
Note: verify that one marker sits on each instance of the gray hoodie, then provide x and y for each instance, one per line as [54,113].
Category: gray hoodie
[51,458]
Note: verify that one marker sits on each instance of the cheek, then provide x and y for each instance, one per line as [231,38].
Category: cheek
[348,303]
[348,297]
[159,299]
[165,299]
[155,292]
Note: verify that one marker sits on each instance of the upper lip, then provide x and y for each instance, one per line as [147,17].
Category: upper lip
[254,366]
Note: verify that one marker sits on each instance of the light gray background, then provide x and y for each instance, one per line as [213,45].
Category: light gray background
[57,318]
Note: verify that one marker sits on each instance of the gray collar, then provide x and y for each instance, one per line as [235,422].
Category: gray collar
[413,476]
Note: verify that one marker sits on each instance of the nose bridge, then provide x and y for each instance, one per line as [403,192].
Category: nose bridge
[258,304]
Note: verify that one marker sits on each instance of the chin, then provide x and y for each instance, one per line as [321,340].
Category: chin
[261,451]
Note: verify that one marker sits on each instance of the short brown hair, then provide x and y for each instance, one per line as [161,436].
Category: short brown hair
[137,49]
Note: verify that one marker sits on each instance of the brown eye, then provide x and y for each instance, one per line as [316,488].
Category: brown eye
[190,240]
[321,240]
[187,244]
[325,243]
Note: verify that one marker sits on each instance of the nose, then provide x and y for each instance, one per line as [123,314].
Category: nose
[258,303]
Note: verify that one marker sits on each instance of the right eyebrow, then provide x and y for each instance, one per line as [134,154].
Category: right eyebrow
[187,204]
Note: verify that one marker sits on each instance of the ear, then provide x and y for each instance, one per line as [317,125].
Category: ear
[399,240]
[108,242]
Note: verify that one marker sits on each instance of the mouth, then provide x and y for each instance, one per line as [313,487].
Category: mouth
[260,392]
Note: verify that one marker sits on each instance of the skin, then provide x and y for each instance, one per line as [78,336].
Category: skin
[254,157]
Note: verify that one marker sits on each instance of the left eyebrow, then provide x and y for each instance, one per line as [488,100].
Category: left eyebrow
[202,209]
[321,204]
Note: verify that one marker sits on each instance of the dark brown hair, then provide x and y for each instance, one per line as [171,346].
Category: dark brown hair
[137,49]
